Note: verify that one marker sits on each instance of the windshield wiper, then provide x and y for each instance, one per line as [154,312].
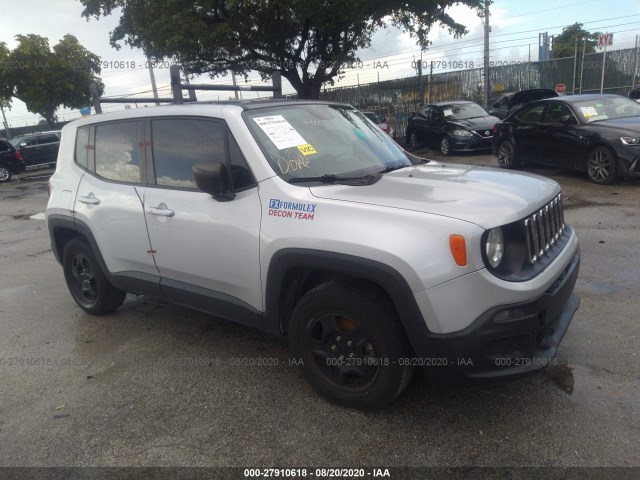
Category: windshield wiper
[333,178]
[391,168]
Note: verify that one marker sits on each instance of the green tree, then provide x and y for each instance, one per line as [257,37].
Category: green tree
[564,44]
[5,86]
[45,79]
[307,41]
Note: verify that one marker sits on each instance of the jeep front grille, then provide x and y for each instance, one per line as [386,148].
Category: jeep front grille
[544,228]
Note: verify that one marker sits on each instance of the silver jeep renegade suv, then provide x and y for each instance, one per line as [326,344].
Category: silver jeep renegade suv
[305,220]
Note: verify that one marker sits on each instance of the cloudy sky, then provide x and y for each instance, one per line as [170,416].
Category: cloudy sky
[514,36]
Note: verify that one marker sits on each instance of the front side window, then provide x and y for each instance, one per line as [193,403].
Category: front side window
[117,151]
[556,111]
[179,143]
[311,140]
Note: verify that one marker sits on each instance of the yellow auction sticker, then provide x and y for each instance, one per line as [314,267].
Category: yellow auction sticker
[307,149]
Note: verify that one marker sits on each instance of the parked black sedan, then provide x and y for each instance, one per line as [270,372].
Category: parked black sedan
[451,126]
[10,161]
[599,134]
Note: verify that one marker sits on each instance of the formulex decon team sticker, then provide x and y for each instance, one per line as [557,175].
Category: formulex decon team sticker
[298,210]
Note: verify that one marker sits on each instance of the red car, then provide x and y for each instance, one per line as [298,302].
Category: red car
[382,123]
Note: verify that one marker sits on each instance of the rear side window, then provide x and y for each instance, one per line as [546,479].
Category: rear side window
[49,138]
[82,147]
[531,114]
[117,151]
[30,141]
[5,147]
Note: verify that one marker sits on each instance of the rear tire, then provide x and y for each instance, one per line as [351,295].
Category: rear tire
[601,166]
[5,174]
[507,155]
[351,343]
[86,282]
[411,141]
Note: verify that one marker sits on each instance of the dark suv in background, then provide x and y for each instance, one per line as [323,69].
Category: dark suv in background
[10,161]
[38,150]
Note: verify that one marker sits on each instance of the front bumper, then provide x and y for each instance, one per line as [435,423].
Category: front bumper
[470,144]
[508,341]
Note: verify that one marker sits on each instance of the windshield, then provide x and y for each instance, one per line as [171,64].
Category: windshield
[461,111]
[606,108]
[16,141]
[312,140]
[373,117]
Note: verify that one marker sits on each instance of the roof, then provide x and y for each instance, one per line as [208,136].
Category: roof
[439,104]
[578,98]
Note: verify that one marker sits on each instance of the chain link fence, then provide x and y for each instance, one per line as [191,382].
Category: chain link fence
[398,99]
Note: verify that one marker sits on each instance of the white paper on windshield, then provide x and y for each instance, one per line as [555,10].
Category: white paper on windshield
[448,113]
[280,132]
[589,111]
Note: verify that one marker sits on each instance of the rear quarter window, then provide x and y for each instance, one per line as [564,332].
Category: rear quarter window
[82,147]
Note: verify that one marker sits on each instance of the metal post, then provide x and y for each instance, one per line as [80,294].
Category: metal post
[604,59]
[487,85]
[421,82]
[176,88]
[153,79]
[95,98]
[584,47]
[277,85]
[635,65]
[233,79]
[6,124]
[575,65]
[192,93]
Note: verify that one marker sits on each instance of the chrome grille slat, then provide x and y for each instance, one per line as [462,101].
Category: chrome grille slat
[544,228]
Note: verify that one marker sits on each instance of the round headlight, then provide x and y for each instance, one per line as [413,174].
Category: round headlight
[495,246]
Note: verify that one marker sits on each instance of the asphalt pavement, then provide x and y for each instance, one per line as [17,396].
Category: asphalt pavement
[157,385]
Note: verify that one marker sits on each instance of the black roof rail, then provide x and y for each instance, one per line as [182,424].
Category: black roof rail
[177,87]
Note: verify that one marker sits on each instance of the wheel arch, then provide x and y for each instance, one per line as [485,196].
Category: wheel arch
[63,228]
[293,272]
[583,160]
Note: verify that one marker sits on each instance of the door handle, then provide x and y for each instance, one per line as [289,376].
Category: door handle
[89,200]
[161,210]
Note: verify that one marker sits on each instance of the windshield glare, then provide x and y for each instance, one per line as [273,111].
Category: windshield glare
[461,111]
[607,108]
[311,140]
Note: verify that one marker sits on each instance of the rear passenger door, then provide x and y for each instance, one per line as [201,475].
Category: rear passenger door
[528,134]
[49,143]
[31,151]
[206,250]
[109,198]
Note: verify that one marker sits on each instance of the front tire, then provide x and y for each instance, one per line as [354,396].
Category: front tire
[507,155]
[351,344]
[601,166]
[445,146]
[86,282]
[5,174]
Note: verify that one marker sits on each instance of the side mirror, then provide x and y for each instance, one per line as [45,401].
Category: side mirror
[567,120]
[22,144]
[213,178]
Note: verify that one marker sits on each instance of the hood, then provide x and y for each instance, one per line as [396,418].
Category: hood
[487,197]
[527,96]
[479,123]
[630,124]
